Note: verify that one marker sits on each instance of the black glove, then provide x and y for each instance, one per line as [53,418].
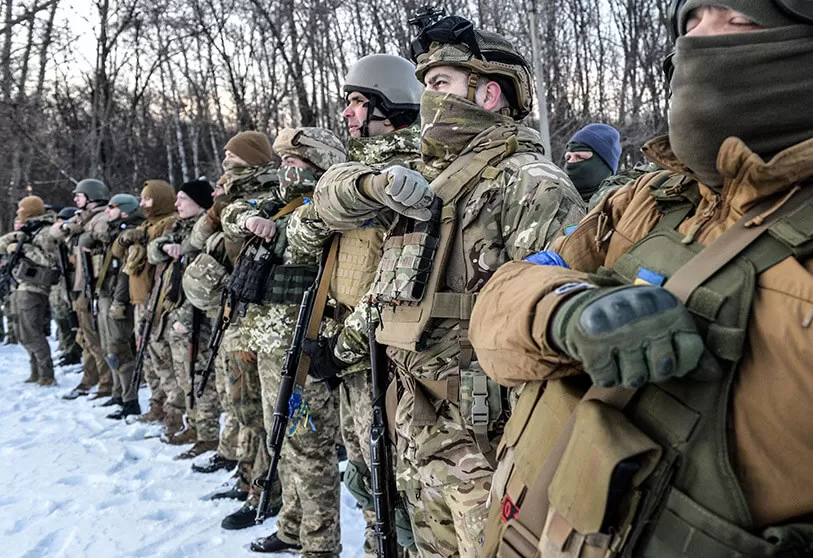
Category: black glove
[324,365]
[30,226]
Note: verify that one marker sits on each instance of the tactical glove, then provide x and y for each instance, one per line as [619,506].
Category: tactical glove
[324,365]
[118,311]
[627,335]
[131,236]
[403,190]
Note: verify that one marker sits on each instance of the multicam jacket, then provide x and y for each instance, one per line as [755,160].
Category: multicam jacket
[174,304]
[307,232]
[39,248]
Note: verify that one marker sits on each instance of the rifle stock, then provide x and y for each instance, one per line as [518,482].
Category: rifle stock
[193,348]
[7,280]
[146,329]
[64,269]
[222,323]
[90,282]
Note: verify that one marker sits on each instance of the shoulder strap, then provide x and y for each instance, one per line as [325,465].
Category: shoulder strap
[522,533]
[291,206]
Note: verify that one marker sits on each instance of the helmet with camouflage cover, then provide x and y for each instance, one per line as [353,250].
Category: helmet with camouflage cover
[453,41]
[388,81]
[93,189]
[318,146]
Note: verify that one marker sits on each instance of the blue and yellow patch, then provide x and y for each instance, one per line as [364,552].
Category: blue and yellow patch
[648,277]
[570,228]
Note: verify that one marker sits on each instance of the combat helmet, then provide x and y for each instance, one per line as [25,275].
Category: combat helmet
[318,146]
[93,188]
[453,41]
[388,81]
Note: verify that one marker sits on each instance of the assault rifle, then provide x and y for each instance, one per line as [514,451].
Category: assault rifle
[64,269]
[222,322]
[193,348]
[7,280]
[383,483]
[90,282]
[146,329]
[290,383]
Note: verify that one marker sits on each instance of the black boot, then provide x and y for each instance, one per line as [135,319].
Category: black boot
[241,519]
[232,493]
[112,401]
[129,408]
[272,544]
[215,463]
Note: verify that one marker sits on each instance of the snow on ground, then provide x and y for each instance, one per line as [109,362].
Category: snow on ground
[76,484]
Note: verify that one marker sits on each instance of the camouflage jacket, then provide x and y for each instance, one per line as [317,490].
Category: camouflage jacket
[505,216]
[39,247]
[174,304]
[85,228]
[307,232]
[257,329]
[115,284]
[613,183]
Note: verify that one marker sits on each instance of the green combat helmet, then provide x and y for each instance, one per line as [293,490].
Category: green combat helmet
[388,81]
[318,146]
[93,188]
[453,41]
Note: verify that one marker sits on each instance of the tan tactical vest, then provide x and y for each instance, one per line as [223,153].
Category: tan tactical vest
[356,264]
[647,473]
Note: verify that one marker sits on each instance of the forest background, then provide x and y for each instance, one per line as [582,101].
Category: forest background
[128,90]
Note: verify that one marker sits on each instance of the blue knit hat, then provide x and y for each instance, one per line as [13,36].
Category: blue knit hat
[605,141]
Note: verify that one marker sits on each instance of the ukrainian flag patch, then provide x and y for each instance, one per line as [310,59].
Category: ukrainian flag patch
[570,228]
[648,277]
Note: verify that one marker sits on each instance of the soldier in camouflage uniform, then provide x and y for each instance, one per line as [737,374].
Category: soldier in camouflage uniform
[90,196]
[173,252]
[158,207]
[613,183]
[70,351]
[383,103]
[35,276]
[502,200]
[115,310]
[591,156]
[308,462]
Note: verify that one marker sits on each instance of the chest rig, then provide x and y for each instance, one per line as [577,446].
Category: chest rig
[663,485]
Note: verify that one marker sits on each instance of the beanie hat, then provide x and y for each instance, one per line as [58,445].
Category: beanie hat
[125,202]
[66,213]
[163,198]
[605,141]
[252,147]
[30,206]
[200,191]
[761,12]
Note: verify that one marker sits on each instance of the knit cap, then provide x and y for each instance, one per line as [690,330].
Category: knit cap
[200,191]
[163,198]
[252,147]
[29,207]
[605,141]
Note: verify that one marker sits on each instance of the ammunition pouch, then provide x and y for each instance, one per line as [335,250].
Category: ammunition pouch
[286,284]
[27,271]
[251,271]
[357,481]
[356,264]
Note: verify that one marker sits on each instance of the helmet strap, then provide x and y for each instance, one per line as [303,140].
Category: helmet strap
[474,78]
[371,105]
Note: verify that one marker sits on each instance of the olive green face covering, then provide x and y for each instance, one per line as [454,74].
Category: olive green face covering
[587,175]
[755,86]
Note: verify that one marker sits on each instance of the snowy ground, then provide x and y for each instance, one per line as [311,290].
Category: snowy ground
[75,484]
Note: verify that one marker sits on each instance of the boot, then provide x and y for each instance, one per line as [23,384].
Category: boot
[242,518]
[215,463]
[155,414]
[99,395]
[32,379]
[181,437]
[173,424]
[127,409]
[47,382]
[232,493]
[69,359]
[112,401]
[272,544]
[199,448]
[76,392]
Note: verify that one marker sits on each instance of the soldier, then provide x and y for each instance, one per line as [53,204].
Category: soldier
[69,349]
[34,274]
[383,103]
[308,468]
[592,155]
[701,307]
[157,205]
[90,196]
[173,253]
[115,309]
[502,199]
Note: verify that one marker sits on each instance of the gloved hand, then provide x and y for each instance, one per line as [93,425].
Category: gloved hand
[405,191]
[118,311]
[131,236]
[324,365]
[627,335]
[70,228]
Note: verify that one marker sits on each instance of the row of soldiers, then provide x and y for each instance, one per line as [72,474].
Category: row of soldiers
[635,386]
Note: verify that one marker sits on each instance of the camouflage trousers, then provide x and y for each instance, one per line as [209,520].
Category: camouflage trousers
[246,398]
[157,395]
[33,314]
[308,469]
[162,366]
[205,415]
[230,435]
[10,311]
[94,368]
[61,310]
[115,337]
[356,409]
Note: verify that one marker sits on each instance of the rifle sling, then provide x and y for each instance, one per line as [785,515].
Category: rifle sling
[319,304]
[526,527]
